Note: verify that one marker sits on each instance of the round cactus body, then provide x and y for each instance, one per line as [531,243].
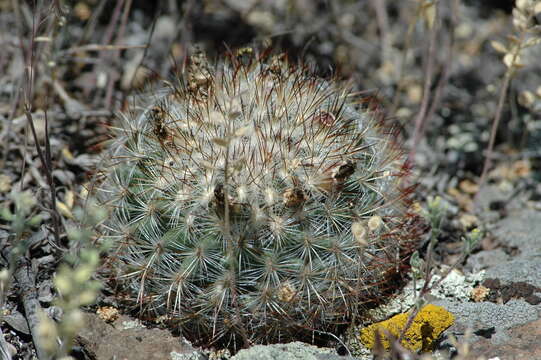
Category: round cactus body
[253,200]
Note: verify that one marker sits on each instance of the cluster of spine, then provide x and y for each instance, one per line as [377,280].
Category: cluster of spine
[254,201]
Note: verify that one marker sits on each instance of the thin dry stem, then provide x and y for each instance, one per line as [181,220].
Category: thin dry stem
[380,7]
[444,79]
[407,45]
[45,156]
[421,115]
[495,124]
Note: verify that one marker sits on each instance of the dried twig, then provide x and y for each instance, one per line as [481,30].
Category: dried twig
[380,7]
[4,137]
[421,115]
[45,156]
[184,29]
[46,162]
[407,45]
[495,124]
[99,47]
[444,79]
[115,54]
[91,24]
[26,279]
[108,36]
[106,40]
[528,34]
[4,351]
[123,22]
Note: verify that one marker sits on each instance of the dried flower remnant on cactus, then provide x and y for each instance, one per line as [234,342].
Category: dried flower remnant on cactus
[253,200]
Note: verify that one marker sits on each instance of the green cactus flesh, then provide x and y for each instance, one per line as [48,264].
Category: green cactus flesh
[255,200]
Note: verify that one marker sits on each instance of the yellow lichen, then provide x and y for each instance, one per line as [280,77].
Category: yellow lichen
[425,329]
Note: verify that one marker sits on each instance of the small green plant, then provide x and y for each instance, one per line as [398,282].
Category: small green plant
[471,240]
[527,35]
[21,213]
[434,214]
[75,286]
[23,218]
[255,202]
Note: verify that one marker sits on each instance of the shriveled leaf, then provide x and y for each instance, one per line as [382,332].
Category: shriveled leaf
[85,161]
[429,14]
[6,214]
[498,46]
[522,4]
[64,209]
[208,165]
[359,233]
[5,183]
[64,176]
[223,142]
[511,60]
[532,42]
[42,39]
[526,98]
[514,39]
[537,8]
[243,131]
[69,199]
[538,92]
[239,164]
[374,222]
[66,153]
[234,114]
[17,322]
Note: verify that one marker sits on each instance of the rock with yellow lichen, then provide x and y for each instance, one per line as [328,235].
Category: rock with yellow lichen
[425,329]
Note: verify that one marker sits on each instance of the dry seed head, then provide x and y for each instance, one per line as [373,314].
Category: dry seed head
[359,233]
[253,194]
[374,223]
[286,292]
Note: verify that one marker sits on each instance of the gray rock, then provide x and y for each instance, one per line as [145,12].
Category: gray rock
[528,270]
[491,193]
[290,351]
[116,341]
[194,355]
[521,229]
[486,259]
[495,324]
[486,196]
[17,321]
[489,317]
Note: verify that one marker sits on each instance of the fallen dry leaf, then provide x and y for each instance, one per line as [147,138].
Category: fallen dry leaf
[107,313]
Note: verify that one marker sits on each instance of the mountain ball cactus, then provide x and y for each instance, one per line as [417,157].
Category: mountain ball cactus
[254,201]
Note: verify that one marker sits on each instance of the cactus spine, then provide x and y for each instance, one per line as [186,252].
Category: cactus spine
[252,199]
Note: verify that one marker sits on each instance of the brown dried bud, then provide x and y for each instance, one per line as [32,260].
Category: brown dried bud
[343,171]
[324,118]
[294,197]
